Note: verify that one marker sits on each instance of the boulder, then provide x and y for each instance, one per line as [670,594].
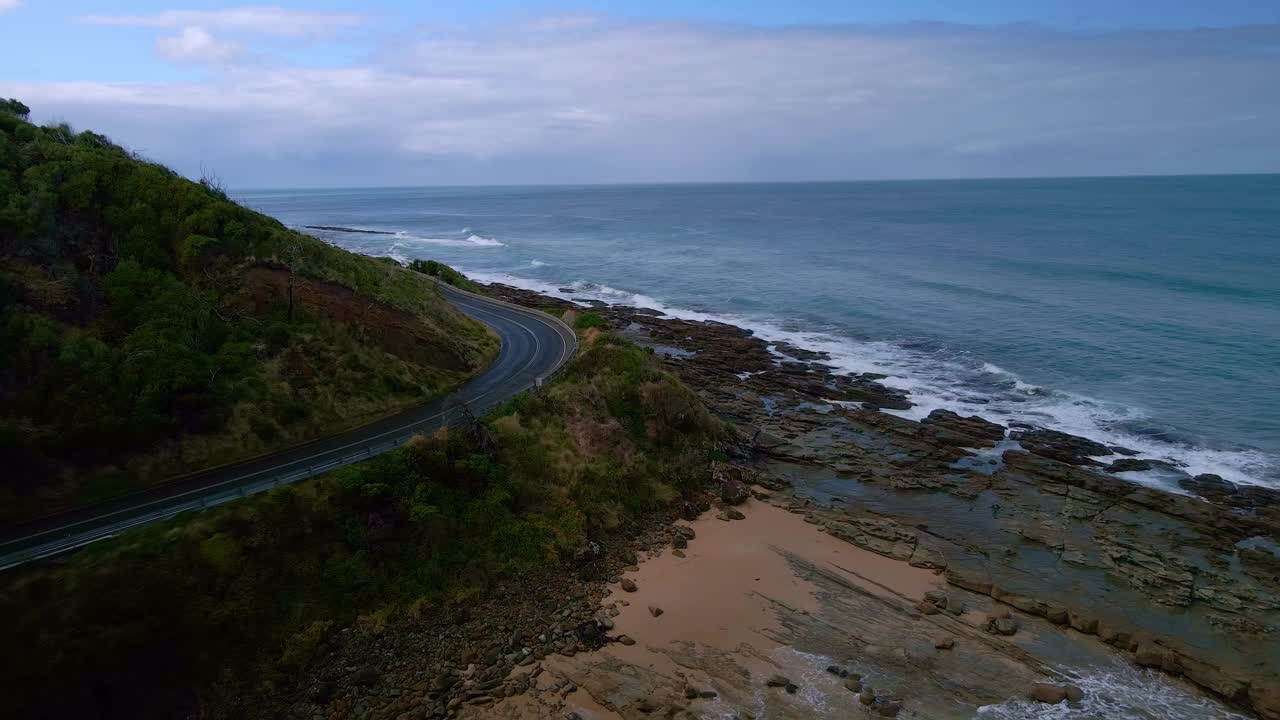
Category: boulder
[734,492]
[629,585]
[1074,693]
[1048,693]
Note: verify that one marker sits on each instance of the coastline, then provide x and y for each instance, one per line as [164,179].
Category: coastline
[1180,584]
[1003,396]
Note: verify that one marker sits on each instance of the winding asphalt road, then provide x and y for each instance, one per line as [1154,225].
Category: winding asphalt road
[534,345]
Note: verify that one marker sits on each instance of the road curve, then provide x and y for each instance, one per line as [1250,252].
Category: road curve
[534,345]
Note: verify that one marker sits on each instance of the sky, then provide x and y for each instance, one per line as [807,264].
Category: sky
[340,93]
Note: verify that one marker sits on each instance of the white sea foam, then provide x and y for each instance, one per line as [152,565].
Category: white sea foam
[1118,692]
[471,240]
[962,385]
[536,263]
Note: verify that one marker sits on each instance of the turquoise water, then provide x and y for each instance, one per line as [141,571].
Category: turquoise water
[1143,312]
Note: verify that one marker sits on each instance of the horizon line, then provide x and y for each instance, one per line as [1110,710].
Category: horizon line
[652,183]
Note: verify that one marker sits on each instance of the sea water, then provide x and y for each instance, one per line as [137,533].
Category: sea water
[1140,312]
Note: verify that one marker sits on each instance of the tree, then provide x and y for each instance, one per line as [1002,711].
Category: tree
[16,108]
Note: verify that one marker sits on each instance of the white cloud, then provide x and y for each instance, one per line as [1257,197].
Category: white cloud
[7,5]
[264,19]
[196,45]
[592,99]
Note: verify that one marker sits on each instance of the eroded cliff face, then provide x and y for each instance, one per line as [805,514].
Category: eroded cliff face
[408,336]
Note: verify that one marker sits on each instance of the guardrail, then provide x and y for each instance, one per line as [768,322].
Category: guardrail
[204,498]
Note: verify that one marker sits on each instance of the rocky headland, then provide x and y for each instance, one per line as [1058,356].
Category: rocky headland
[847,562]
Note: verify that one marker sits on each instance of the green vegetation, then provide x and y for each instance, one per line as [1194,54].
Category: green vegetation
[588,320]
[445,273]
[151,326]
[225,603]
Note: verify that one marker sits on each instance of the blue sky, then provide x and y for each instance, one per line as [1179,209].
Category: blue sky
[335,92]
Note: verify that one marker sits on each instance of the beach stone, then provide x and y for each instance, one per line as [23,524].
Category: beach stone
[626,640]
[937,597]
[1074,693]
[688,511]
[1048,693]
[629,585]
[853,685]
[867,696]
[654,610]
[678,553]
[944,643]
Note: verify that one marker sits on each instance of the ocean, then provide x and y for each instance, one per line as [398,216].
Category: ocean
[1141,312]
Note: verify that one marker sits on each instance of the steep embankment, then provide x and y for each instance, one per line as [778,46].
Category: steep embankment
[151,326]
[231,611]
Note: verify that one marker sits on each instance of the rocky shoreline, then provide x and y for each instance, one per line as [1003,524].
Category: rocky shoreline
[936,567]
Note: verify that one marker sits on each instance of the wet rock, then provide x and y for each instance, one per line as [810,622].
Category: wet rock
[1060,446]
[853,685]
[867,696]
[1209,486]
[629,585]
[966,431]
[944,643]
[1130,465]
[1074,693]
[1048,693]
[777,681]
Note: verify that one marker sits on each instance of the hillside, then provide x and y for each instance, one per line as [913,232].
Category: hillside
[152,326]
[232,610]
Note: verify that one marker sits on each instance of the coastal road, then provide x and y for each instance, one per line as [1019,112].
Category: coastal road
[534,346]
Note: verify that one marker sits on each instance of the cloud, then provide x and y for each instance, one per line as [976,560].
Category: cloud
[270,20]
[7,5]
[588,98]
[196,45]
